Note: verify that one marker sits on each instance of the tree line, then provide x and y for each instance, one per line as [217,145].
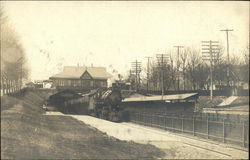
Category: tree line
[193,73]
[13,60]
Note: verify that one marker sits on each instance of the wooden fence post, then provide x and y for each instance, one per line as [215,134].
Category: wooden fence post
[193,126]
[142,118]
[223,131]
[207,128]
[158,121]
[182,125]
[151,120]
[165,122]
[131,116]
[139,118]
[172,120]
[136,117]
[243,134]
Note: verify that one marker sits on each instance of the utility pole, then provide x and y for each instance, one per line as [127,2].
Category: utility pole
[148,72]
[210,53]
[136,68]
[178,65]
[162,61]
[227,30]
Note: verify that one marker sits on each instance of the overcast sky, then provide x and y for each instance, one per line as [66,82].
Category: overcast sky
[116,33]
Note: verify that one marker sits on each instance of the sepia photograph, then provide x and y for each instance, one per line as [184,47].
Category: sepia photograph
[124,79]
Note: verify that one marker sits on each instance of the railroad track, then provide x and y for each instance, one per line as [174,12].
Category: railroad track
[164,139]
[155,130]
[207,149]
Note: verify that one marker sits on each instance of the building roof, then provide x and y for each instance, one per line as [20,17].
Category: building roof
[30,83]
[159,98]
[76,72]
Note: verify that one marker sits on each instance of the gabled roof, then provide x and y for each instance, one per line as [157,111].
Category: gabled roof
[76,72]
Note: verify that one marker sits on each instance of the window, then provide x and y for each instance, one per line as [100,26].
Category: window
[74,83]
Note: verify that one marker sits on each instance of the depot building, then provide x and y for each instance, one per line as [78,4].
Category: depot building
[81,78]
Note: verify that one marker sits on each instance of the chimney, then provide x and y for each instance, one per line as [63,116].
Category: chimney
[91,64]
[77,67]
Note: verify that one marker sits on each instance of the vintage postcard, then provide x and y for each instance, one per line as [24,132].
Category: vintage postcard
[124,79]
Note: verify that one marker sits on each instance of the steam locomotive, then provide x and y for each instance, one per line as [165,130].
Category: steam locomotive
[102,102]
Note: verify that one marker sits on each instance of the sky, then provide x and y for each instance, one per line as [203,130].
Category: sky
[113,34]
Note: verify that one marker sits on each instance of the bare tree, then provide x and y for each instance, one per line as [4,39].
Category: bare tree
[240,69]
[154,76]
[220,68]
[197,72]
[245,66]
[173,72]
[13,66]
[183,65]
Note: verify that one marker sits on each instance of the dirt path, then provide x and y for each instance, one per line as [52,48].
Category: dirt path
[175,146]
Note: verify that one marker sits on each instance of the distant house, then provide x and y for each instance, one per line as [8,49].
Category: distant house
[30,85]
[81,78]
[38,83]
[47,83]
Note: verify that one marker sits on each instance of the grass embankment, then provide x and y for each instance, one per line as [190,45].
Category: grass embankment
[241,100]
[28,134]
[241,103]
[206,102]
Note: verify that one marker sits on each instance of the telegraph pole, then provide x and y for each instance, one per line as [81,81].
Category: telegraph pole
[210,53]
[227,30]
[148,72]
[136,68]
[162,61]
[178,63]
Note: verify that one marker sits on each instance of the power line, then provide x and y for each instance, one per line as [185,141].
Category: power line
[162,60]
[136,69]
[227,30]
[209,53]
[178,64]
